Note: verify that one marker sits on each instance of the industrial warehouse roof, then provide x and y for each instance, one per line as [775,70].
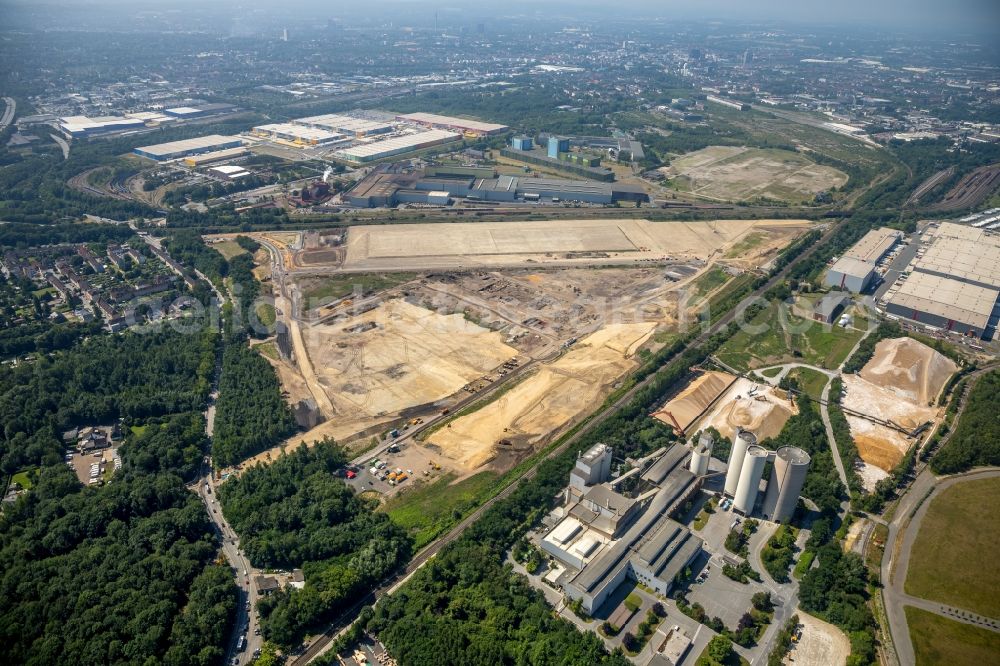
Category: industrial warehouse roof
[196,143]
[217,155]
[398,143]
[975,261]
[451,122]
[853,266]
[874,244]
[83,123]
[947,298]
[563,186]
[298,131]
[347,124]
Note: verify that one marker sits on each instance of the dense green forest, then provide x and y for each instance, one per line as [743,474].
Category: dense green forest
[131,376]
[20,235]
[251,414]
[44,337]
[465,607]
[117,574]
[295,512]
[975,440]
[837,591]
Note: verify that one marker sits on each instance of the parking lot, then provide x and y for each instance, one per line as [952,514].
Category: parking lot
[381,473]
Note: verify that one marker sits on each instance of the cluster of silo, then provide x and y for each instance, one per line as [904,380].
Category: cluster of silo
[747,462]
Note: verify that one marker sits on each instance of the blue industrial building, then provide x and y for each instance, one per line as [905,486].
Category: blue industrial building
[522,143]
[557,144]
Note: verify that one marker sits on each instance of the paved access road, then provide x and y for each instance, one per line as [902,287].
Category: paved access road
[8,114]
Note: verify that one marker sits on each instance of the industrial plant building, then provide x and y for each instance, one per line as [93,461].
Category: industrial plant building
[855,269]
[298,135]
[378,150]
[745,470]
[954,285]
[383,187]
[602,537]
[467,127]
[178,149]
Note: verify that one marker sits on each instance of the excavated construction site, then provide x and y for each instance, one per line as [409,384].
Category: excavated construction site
[496,361]
[900,384]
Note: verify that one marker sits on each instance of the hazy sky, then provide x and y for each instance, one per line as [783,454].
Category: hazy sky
[928,15]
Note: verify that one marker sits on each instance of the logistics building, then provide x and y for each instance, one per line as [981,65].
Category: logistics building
[467,127]
[177,149]
[199,110]
[377,150]
[855,270]
[82,126]
[955,284]
[356,128]
[298,135]
[602,537]
[216,156]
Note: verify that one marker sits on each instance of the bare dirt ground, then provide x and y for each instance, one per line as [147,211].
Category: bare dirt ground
[909,369]
[728,173]
[399,356]
[552,242]
[900,384]
[822,644]
[547,402]
[753,406]
[684,408]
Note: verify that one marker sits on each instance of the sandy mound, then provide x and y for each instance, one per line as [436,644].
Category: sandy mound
[760,408]
[689,404]
[909,368]
[879,445]
[546,402]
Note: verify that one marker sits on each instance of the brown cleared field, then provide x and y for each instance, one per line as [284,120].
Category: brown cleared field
[399,356]
[959,530]
[544,404]
[938,640]
[557,242]
[731,173]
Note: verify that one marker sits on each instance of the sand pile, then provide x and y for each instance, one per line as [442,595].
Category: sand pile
[541,406]
[753,406]
[910,369]
[689,404]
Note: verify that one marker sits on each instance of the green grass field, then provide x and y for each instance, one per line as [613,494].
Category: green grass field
[771,338]
[938,640]
[747,243]
[705,284]
[228,249]
[811,382]
[959,530]
[332,288]
[429,508]
[268,349]
[23,478]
